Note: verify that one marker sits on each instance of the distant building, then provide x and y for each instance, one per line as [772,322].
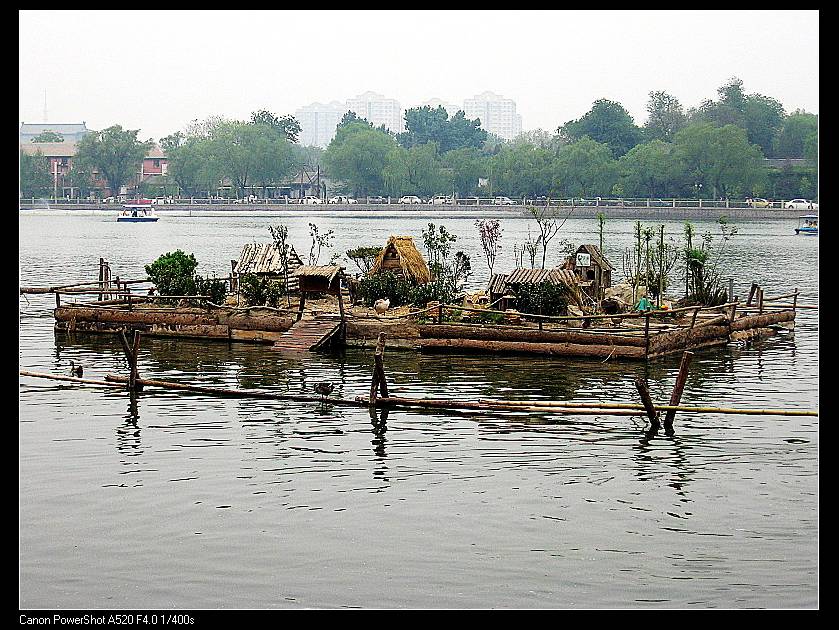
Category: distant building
[318,122]
[61,154]
[71,132]
[498,114]
[378,110]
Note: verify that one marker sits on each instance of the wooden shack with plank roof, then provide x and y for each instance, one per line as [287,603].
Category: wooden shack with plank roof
[592,269]
[264,260]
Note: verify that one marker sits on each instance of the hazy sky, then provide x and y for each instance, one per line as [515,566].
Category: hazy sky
[158,70]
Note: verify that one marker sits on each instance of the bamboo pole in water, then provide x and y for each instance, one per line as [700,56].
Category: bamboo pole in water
[560,407]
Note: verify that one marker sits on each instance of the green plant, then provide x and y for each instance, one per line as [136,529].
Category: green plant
[173,273]
[213,287]
[385,285]
[260,291]
[544,298]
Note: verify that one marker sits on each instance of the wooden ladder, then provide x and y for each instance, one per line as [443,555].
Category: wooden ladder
[308,334]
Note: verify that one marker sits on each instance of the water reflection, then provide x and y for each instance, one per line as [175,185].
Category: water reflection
[128,433]
[378,420]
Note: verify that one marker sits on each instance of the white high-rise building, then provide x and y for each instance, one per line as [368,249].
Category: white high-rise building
[498,114]
[318,122]
[378,110]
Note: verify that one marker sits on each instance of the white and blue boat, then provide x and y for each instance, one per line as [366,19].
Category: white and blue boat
[137,213]
[808,224]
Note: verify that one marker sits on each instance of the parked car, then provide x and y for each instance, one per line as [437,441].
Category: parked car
[342,199]
[311,201]
[376,199]
[503,201]
[410,199]
[757,203]
[440,200]
[800,204]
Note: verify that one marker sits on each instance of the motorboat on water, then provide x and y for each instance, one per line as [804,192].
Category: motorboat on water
[140,211]
[808,224]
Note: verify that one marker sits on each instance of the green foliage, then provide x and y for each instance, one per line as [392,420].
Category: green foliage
[287,126]
[364,257]
[703,280]
[115,152]
[521,170]
[173,273]
[465,167]
[35,178]
[584,169]
[650,170]
[358,155]
[260,291]
[798,129]
[385,285]
[48,136]
[607,122]
[213,287]
[424,125]
[544,298]
[416,170]
[666,117]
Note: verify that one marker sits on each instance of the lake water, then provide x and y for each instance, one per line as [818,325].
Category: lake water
[187,501]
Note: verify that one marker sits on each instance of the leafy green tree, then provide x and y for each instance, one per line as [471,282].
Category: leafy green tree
[286,126]
[666,116]
[192,163]
[721,159]
[416,170]
[424,125]
[35,178]
[585,168]
[466,167]
[764,116]
[521,170]
[357,155]
[173,273]
[48,136]
[115,152]
[797,130]
[649,170]
[607,122]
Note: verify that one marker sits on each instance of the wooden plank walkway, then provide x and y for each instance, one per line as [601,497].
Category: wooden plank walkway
[307,334]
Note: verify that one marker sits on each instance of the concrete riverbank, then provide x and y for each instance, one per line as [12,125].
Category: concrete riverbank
[477,210]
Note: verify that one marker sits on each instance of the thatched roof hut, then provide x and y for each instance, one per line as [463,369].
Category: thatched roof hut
[401,257]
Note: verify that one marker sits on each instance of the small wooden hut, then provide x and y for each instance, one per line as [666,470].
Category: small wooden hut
[401,257]
[593,271]
[263,259]
[319,279]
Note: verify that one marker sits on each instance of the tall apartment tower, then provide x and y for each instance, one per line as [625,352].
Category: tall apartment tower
[498,114]
[378,110]
[318,122]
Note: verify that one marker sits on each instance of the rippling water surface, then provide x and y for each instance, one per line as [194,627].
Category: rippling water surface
[174,500]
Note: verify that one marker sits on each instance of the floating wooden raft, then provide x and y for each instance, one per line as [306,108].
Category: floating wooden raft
[308,334]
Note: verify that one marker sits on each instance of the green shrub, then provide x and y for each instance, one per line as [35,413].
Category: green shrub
[173,273]
[385,285]
[544,298]
[260,291]
[440,290]
[215,288]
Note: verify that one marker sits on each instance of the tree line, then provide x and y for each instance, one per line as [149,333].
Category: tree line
[714,150]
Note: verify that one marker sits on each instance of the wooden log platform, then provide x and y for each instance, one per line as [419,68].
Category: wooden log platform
[308,334]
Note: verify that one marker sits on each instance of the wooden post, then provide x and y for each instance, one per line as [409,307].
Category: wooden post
[695,313]
[678,388]
[795,300]
[731,289]
[378,372]
[646,335]
[751,293]
[340,303]
[440,313]
[302,303]
[131,353]
[57,299]
[733,312]
[101,276]
[641,386]
[760,300]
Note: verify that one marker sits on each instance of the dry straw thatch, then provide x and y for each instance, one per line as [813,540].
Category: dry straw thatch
[410,260]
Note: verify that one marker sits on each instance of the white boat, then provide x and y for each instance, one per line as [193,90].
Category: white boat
[140,211]
[808,224]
